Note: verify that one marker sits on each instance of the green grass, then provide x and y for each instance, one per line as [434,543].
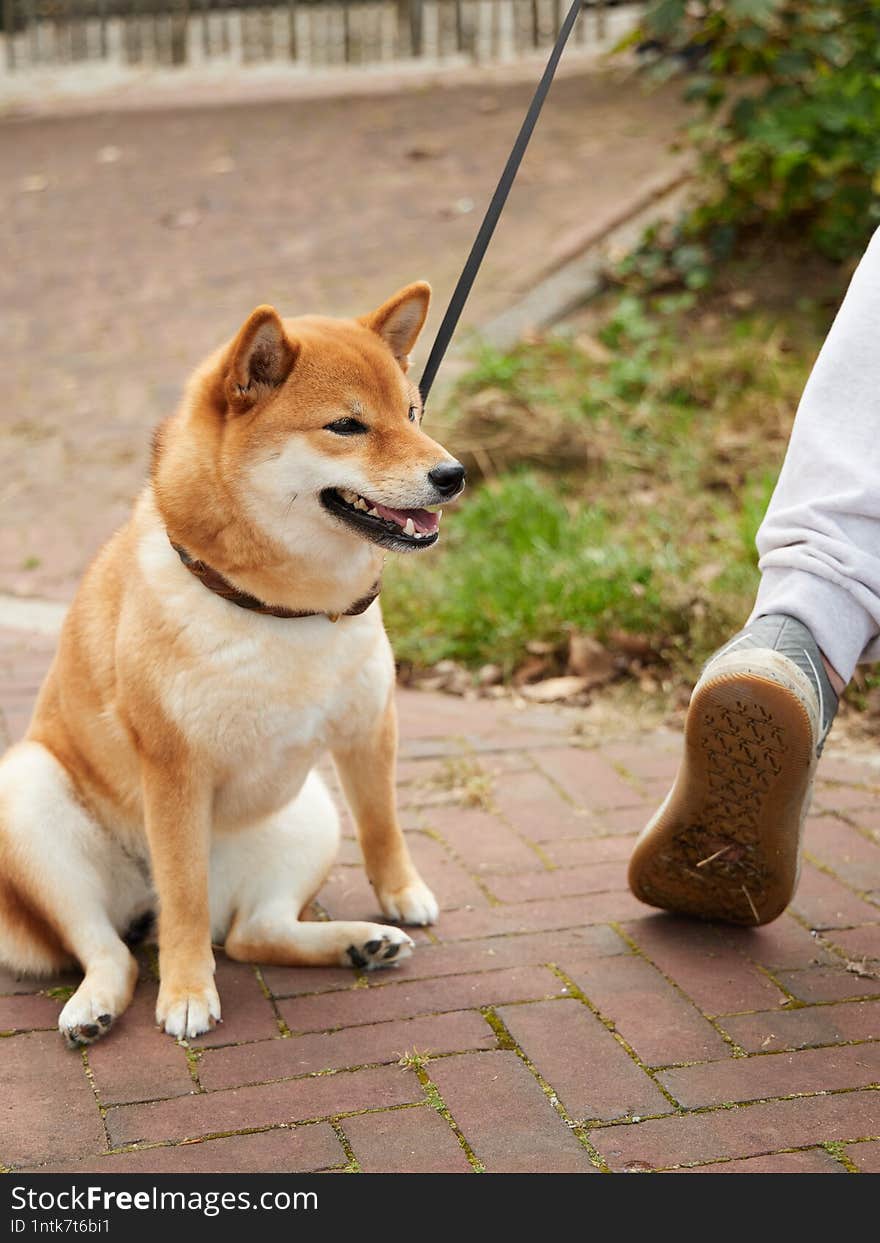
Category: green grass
[522,564]
[619,474]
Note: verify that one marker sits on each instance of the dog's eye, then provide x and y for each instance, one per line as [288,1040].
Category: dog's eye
[346,427]
[413,414]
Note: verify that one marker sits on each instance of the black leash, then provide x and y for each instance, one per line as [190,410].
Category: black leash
[490,220]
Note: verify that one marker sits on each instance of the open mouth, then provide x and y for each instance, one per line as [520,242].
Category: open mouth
[392,528]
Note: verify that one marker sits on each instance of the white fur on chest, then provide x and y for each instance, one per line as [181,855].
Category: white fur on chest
[260,698]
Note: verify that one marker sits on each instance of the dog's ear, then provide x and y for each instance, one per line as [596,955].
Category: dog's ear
[400,320]
[261,358]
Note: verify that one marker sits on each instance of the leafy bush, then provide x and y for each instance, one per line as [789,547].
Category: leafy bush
[788,134]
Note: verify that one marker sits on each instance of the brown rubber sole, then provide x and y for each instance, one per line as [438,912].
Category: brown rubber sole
[725,845]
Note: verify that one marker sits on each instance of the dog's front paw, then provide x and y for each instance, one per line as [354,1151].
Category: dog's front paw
[187,1012]
[412,904]
[100,999]
[377,946]
[82,1023]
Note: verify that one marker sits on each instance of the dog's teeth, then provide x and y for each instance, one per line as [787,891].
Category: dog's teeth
[409,527]
[374,513]
[360,503]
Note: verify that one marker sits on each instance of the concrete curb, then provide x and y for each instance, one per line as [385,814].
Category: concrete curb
[159,90]
[580,276]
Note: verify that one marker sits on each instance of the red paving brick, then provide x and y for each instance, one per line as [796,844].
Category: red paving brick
[653,1017]
[505,1116]
[406,999]
[48,1110]
[624,821]
[589,779]
[406,1141]
[717,978]
[774,1074]
[25,1013]
[824,902]
[137,1062]
[799,1029]
[849,855]
[809,1161]
[868,817]
[490,921]
[294,981]
[748,1130]
[353,1046]
[492,953]
[296,1100]
[866,1156]
[829,984]
[561,883]
[782,945]
[568,852]
[852,801]
[531,803]
[590,1071]
[483,839]
[859,943]
[644,761]
[285,1150]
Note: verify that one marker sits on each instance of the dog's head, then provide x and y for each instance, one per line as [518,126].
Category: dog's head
[324,427]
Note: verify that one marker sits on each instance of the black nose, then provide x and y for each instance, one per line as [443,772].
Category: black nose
[447,478]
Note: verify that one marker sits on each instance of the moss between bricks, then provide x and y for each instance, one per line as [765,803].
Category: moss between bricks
[738,1051]
[580,1132]
[435,1100]
[353,1166]
[580,996]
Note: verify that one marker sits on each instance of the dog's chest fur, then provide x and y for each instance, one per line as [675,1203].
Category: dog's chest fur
[259,698]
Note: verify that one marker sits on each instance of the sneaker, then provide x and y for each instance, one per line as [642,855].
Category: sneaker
[726,842]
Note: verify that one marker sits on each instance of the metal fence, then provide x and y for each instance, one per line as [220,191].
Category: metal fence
[307,33]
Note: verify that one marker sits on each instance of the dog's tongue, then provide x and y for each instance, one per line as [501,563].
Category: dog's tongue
[422,519]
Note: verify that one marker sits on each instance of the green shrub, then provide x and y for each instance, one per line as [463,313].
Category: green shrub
[788,134]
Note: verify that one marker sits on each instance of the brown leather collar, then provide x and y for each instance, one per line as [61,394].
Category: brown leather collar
[221,586]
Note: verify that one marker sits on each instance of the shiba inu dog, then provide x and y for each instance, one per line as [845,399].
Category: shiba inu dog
[221,641]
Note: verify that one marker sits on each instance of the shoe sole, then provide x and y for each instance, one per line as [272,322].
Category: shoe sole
[725,844]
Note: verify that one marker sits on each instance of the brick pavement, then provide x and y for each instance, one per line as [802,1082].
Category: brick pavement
[548,1022]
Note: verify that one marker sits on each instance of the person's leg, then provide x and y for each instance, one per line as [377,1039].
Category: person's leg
[725,844]
[819,543]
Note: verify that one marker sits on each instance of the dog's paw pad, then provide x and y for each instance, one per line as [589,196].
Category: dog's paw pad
[380,951]
[77,1035]
[79,1023]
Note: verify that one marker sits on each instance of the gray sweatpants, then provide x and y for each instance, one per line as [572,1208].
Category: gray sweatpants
[819,543]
